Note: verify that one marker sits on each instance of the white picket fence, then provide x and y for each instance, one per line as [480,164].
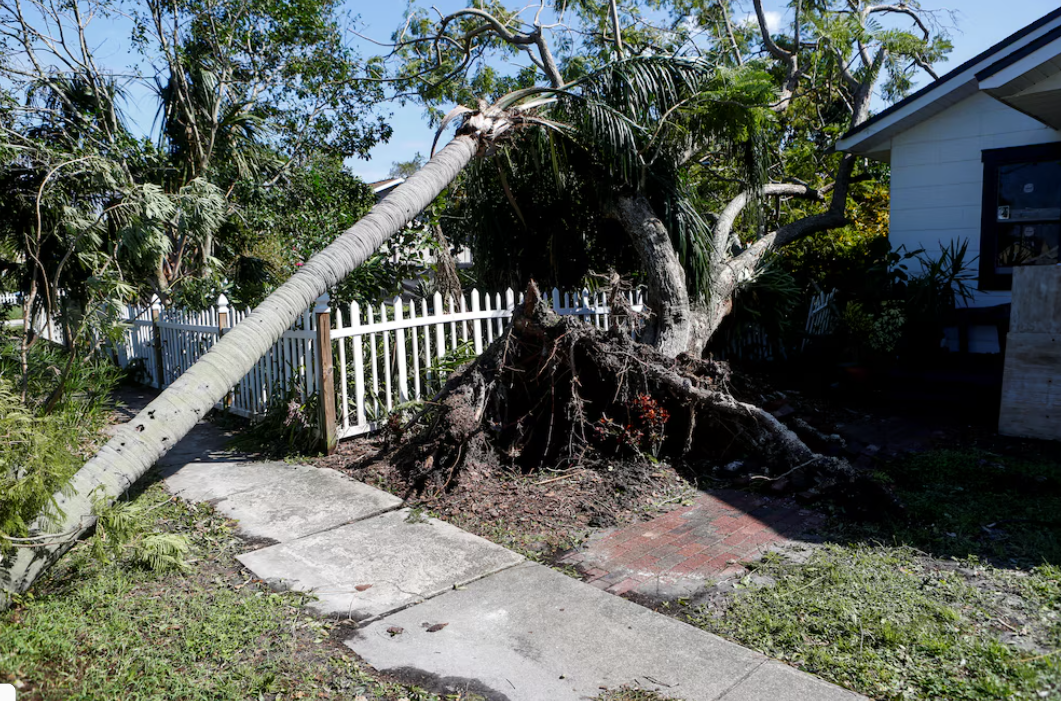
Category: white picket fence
[42,325]
[163,343]
[752,343]
[821,317]
[383,354]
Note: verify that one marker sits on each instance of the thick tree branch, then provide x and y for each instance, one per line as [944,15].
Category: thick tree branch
[790,59]
[768,41]
[728,217]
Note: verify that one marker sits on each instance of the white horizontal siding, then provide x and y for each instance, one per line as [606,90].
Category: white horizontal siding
[937,174]
[943,216]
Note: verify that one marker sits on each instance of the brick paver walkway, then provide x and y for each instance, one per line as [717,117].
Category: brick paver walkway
[705,541]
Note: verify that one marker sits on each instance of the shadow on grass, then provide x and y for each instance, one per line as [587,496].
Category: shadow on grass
[1004,509]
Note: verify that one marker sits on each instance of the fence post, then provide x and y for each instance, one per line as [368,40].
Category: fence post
[222,327]
[325,374]
[156,340]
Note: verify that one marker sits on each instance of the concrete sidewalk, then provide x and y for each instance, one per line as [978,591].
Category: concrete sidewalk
[455,613]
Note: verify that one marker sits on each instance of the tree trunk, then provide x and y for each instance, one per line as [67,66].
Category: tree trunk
[447,282]
[668,297]
[137,445]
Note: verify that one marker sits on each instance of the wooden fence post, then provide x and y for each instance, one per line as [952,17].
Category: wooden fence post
[156,340]
[325,374]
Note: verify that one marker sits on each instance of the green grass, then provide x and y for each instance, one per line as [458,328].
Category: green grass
[890,624]
[1004,510]
[957,598]
[114,630]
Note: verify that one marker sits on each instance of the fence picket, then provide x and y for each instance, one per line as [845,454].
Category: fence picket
[452,326]
[477,324]
[387,368]
[440,336]
[399,347]
[180,337]
[415,337]
[374,357]
[429,375]
[344,407]
[357,341]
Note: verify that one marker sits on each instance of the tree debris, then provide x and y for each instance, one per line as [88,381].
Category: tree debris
[554,393]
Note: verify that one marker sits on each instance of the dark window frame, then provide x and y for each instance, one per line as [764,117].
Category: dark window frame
[992,159]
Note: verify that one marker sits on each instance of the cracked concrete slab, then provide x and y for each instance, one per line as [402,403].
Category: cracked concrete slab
[373,567]
[279,501]
[531,633]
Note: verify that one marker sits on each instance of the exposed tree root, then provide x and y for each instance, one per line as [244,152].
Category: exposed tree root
[553,392]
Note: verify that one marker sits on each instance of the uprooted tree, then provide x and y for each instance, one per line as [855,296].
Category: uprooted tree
[553,392]
[137,445]
[652,115]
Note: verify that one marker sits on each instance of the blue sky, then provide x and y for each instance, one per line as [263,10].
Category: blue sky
[976,25]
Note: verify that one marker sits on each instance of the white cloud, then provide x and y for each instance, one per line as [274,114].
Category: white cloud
[773,20]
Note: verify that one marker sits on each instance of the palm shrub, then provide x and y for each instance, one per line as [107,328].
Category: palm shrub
[40,451]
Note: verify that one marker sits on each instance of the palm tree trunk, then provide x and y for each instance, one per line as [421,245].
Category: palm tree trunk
[137,445]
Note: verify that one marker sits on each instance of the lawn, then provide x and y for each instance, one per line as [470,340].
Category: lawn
[959,598]
[114,629]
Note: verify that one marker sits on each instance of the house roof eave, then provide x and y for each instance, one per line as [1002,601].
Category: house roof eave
[958,83]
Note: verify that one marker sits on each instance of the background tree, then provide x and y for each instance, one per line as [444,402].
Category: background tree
[822,71]
[248,92]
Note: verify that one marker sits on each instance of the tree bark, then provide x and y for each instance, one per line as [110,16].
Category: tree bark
[447,282]
[668,296]
[137,445]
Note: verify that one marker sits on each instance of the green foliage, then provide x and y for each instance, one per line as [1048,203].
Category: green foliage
[880,331]
[767,301]
[973,502]
[908,607]
[40,452]
[840,259]
[123,530]
[34,462]
[283,225]
[288,428]
[113,629]
[886,623]
[541,207]
[904,299]
[246,91]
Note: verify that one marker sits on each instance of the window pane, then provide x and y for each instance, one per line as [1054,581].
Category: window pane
[1027,244]
[1029,191]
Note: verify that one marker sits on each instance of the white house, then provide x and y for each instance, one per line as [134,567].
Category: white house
[976,155]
